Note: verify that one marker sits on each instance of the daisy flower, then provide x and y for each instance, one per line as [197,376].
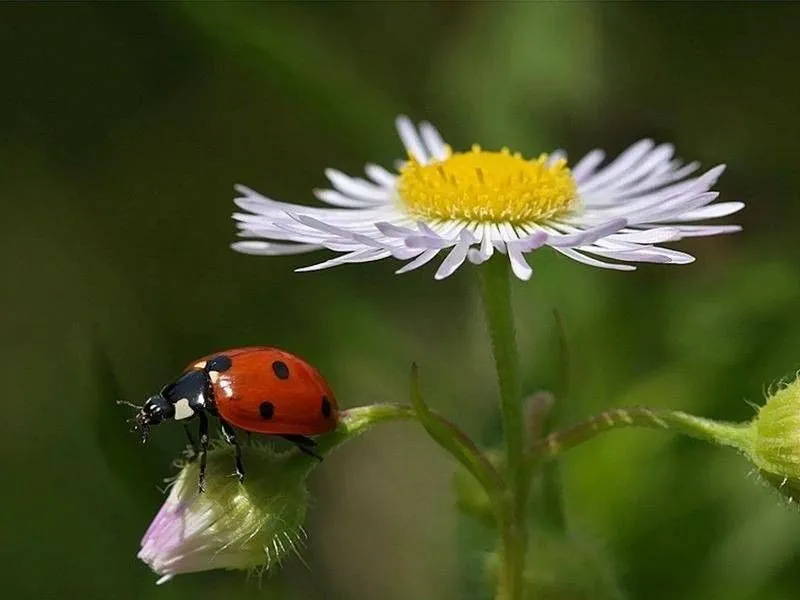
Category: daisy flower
[469,205]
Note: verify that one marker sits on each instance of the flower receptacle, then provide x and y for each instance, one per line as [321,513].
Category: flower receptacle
[775,440]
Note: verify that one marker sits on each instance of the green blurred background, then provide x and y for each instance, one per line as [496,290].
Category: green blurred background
[122,130]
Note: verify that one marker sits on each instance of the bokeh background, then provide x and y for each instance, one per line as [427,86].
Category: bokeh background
[123,128]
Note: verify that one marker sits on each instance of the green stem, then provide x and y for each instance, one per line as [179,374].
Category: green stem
[496,292]
[355,421]
[734,435]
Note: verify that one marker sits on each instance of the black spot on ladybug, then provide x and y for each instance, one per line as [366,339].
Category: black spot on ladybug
[326,407]
[280,369]
[220,364]
[266,410]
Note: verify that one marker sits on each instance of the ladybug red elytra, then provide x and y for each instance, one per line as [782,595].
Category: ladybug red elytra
[258,389]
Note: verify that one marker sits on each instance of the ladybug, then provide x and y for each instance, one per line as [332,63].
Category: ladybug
[257,389]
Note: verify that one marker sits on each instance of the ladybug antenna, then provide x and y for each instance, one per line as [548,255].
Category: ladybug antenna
[131,404]
[137,421]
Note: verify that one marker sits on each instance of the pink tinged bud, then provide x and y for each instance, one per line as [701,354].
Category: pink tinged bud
[230,526]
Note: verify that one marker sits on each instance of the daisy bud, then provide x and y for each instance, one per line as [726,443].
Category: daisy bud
[775,440]
[231,525]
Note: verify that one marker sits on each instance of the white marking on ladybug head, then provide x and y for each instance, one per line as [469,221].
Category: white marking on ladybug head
[214,375]
[200,365]
[183,410]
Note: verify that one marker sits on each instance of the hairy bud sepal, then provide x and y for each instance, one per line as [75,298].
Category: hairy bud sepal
[237,526]
[775,440]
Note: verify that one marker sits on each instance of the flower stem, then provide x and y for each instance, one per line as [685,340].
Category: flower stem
[355,421]
[496,292]
[734,435]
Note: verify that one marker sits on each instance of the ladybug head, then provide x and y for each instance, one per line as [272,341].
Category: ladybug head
[154,411]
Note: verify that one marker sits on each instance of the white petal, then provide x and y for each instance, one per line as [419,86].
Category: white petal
[380,175]
[454,260]
[555,156]
[392,230]
[428,242]
[587,236]
[476,257]
[705,230]
[648,236]
[403,252]
[588,260]
[317,224]
[655,163]
[272,249]
[587,165]
[275,233]
[646,255]
[650,190]
[714,211]
[669,210]
[356,187]
[424,258]
[427,230]
[519,265]
[359,256]
[335,198]
[627,160]
[410,138]
[484,253]
[433,140]
[669,196]
[656,181]
[536,239]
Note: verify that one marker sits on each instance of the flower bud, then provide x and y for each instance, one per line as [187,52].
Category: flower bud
[249,525]
[231,525]
[774,445]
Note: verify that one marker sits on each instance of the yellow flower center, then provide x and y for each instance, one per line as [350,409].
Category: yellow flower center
[488,187]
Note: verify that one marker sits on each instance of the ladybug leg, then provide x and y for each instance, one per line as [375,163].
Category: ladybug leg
[230,436]
[304,444]
[192,442]
[203,449]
